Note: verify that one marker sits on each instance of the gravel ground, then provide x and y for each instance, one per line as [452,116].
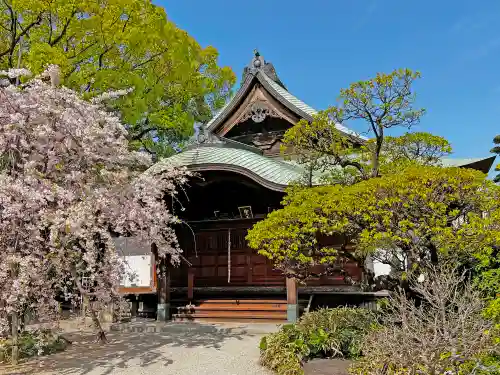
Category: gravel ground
[327,367]
[159,348]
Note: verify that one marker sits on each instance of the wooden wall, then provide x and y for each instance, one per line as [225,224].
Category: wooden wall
[204,239]
[211,259]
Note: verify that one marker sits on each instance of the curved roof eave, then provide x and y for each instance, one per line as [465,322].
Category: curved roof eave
[271,173]
[240,170]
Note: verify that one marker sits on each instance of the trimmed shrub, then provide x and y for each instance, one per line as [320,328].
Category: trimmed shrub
[335,332]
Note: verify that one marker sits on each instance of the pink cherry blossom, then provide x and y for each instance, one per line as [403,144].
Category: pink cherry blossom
[68,183]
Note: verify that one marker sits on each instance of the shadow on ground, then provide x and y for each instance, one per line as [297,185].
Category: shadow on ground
[135,343]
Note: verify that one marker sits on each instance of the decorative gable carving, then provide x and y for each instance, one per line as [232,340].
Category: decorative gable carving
[258,112]
[258,105]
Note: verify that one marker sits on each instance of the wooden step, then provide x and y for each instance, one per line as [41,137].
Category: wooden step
[234,315]
[249,307]
[269,310]
[225,320]
[242,301]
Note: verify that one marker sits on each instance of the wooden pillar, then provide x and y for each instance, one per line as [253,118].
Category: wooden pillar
[190,284]
[163,310]
[135,306]
[292,300]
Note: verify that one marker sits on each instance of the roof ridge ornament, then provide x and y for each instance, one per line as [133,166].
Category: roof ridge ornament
[258,64]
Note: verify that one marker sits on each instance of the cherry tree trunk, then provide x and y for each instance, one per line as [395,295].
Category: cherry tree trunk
[100,336]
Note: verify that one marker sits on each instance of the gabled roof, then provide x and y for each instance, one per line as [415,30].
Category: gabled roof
[450,162]
[256,73]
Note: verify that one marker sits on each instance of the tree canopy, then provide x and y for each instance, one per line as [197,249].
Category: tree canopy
[117,45]
[397,219]
[384,102]
[496,150]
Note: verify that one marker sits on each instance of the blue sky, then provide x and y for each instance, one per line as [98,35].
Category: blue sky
[320,46]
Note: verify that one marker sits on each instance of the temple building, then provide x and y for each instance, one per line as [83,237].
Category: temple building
[241,177]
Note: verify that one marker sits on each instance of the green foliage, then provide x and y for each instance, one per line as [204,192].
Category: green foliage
[322,147]
[496,150]
[32,343]
[101,46]
[405,209]
[484,365]
[323,333]
[476,243]
[283,351]
[402,214]
[383,102]
[418,148]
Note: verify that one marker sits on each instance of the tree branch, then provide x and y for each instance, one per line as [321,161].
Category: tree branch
[142,133]
[101,336]
[64,30]
[102,55]
[50,27]
[346,163]
[150,59]
[16,38]
[83,50]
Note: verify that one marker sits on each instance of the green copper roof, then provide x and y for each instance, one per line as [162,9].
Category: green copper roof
[271,173]
[285,94]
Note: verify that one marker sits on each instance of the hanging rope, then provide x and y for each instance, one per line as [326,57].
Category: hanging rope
[229,255]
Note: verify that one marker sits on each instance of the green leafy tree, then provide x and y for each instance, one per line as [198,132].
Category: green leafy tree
[117,45]
[384,102]
[496,150]
[477,244]
[410,149]
[363,184]
[416,148]
[396,219]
